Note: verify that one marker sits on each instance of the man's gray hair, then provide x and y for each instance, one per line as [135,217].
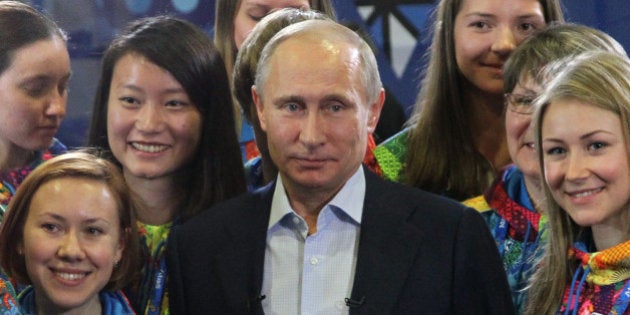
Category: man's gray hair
[333,32]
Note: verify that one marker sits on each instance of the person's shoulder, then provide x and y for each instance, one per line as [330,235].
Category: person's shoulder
[405,196]
[391,155]
[398,137]
[231,211]
[9,304]
[428,212]
[478,203]
[115,302]
[57,148]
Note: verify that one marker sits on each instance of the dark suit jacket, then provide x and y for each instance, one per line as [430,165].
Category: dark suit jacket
[419,253]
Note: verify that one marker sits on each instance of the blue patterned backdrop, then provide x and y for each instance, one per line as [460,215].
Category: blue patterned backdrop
[398,27]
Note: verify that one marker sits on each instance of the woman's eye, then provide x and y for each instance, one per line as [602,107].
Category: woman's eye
[527,27]
[35,90]
[175,103]
[94,231]
[597,146]
[256,18]
[555,151]
[128,100]
[524,100]
[50,227]
[480,25]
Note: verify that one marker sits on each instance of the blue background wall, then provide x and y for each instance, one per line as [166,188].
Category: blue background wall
[399,28]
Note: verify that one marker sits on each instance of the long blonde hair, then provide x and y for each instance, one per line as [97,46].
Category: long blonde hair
[601,79]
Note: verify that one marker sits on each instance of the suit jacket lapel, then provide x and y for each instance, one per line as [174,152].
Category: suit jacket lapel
[387,249]
[241,265]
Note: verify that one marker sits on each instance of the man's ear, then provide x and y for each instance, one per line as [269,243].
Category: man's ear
[259,108]
[374,111]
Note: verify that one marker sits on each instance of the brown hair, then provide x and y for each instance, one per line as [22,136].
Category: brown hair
[21,25]
[558,40]
[187,53]
[441,156]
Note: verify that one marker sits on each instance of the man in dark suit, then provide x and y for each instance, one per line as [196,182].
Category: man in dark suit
[328,236]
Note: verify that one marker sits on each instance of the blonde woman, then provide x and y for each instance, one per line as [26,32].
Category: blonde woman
[583,125]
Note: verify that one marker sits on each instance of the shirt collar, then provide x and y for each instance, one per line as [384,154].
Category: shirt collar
[349,199]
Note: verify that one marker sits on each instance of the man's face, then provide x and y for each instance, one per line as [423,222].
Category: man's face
[314,110]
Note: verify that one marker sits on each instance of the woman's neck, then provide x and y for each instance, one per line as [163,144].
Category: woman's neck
[159,196]
[485,115]
[92,306]
[12,156]
[534,190]
[606,236]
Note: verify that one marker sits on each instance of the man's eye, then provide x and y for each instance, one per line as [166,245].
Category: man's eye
[336,108]
[292,107]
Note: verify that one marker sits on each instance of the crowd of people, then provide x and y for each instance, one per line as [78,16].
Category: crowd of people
[240,175]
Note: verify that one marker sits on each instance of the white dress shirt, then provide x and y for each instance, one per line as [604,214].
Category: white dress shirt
[313,274]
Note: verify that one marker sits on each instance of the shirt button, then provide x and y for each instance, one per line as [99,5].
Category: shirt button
[296,220]
[314,260]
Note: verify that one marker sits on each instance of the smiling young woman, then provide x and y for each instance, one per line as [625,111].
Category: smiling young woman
[163,112]
[70,235]
[453,145]
[583,124]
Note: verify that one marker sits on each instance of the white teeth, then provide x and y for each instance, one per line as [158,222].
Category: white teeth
[70,276]
[151,148]
[586,193]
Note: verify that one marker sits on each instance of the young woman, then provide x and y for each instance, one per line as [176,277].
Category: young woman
[34,75]
[164,110]
[583,125]
[455,141]
[512,205]
[70,234]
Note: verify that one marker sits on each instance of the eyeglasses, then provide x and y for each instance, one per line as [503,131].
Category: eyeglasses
[520,103]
